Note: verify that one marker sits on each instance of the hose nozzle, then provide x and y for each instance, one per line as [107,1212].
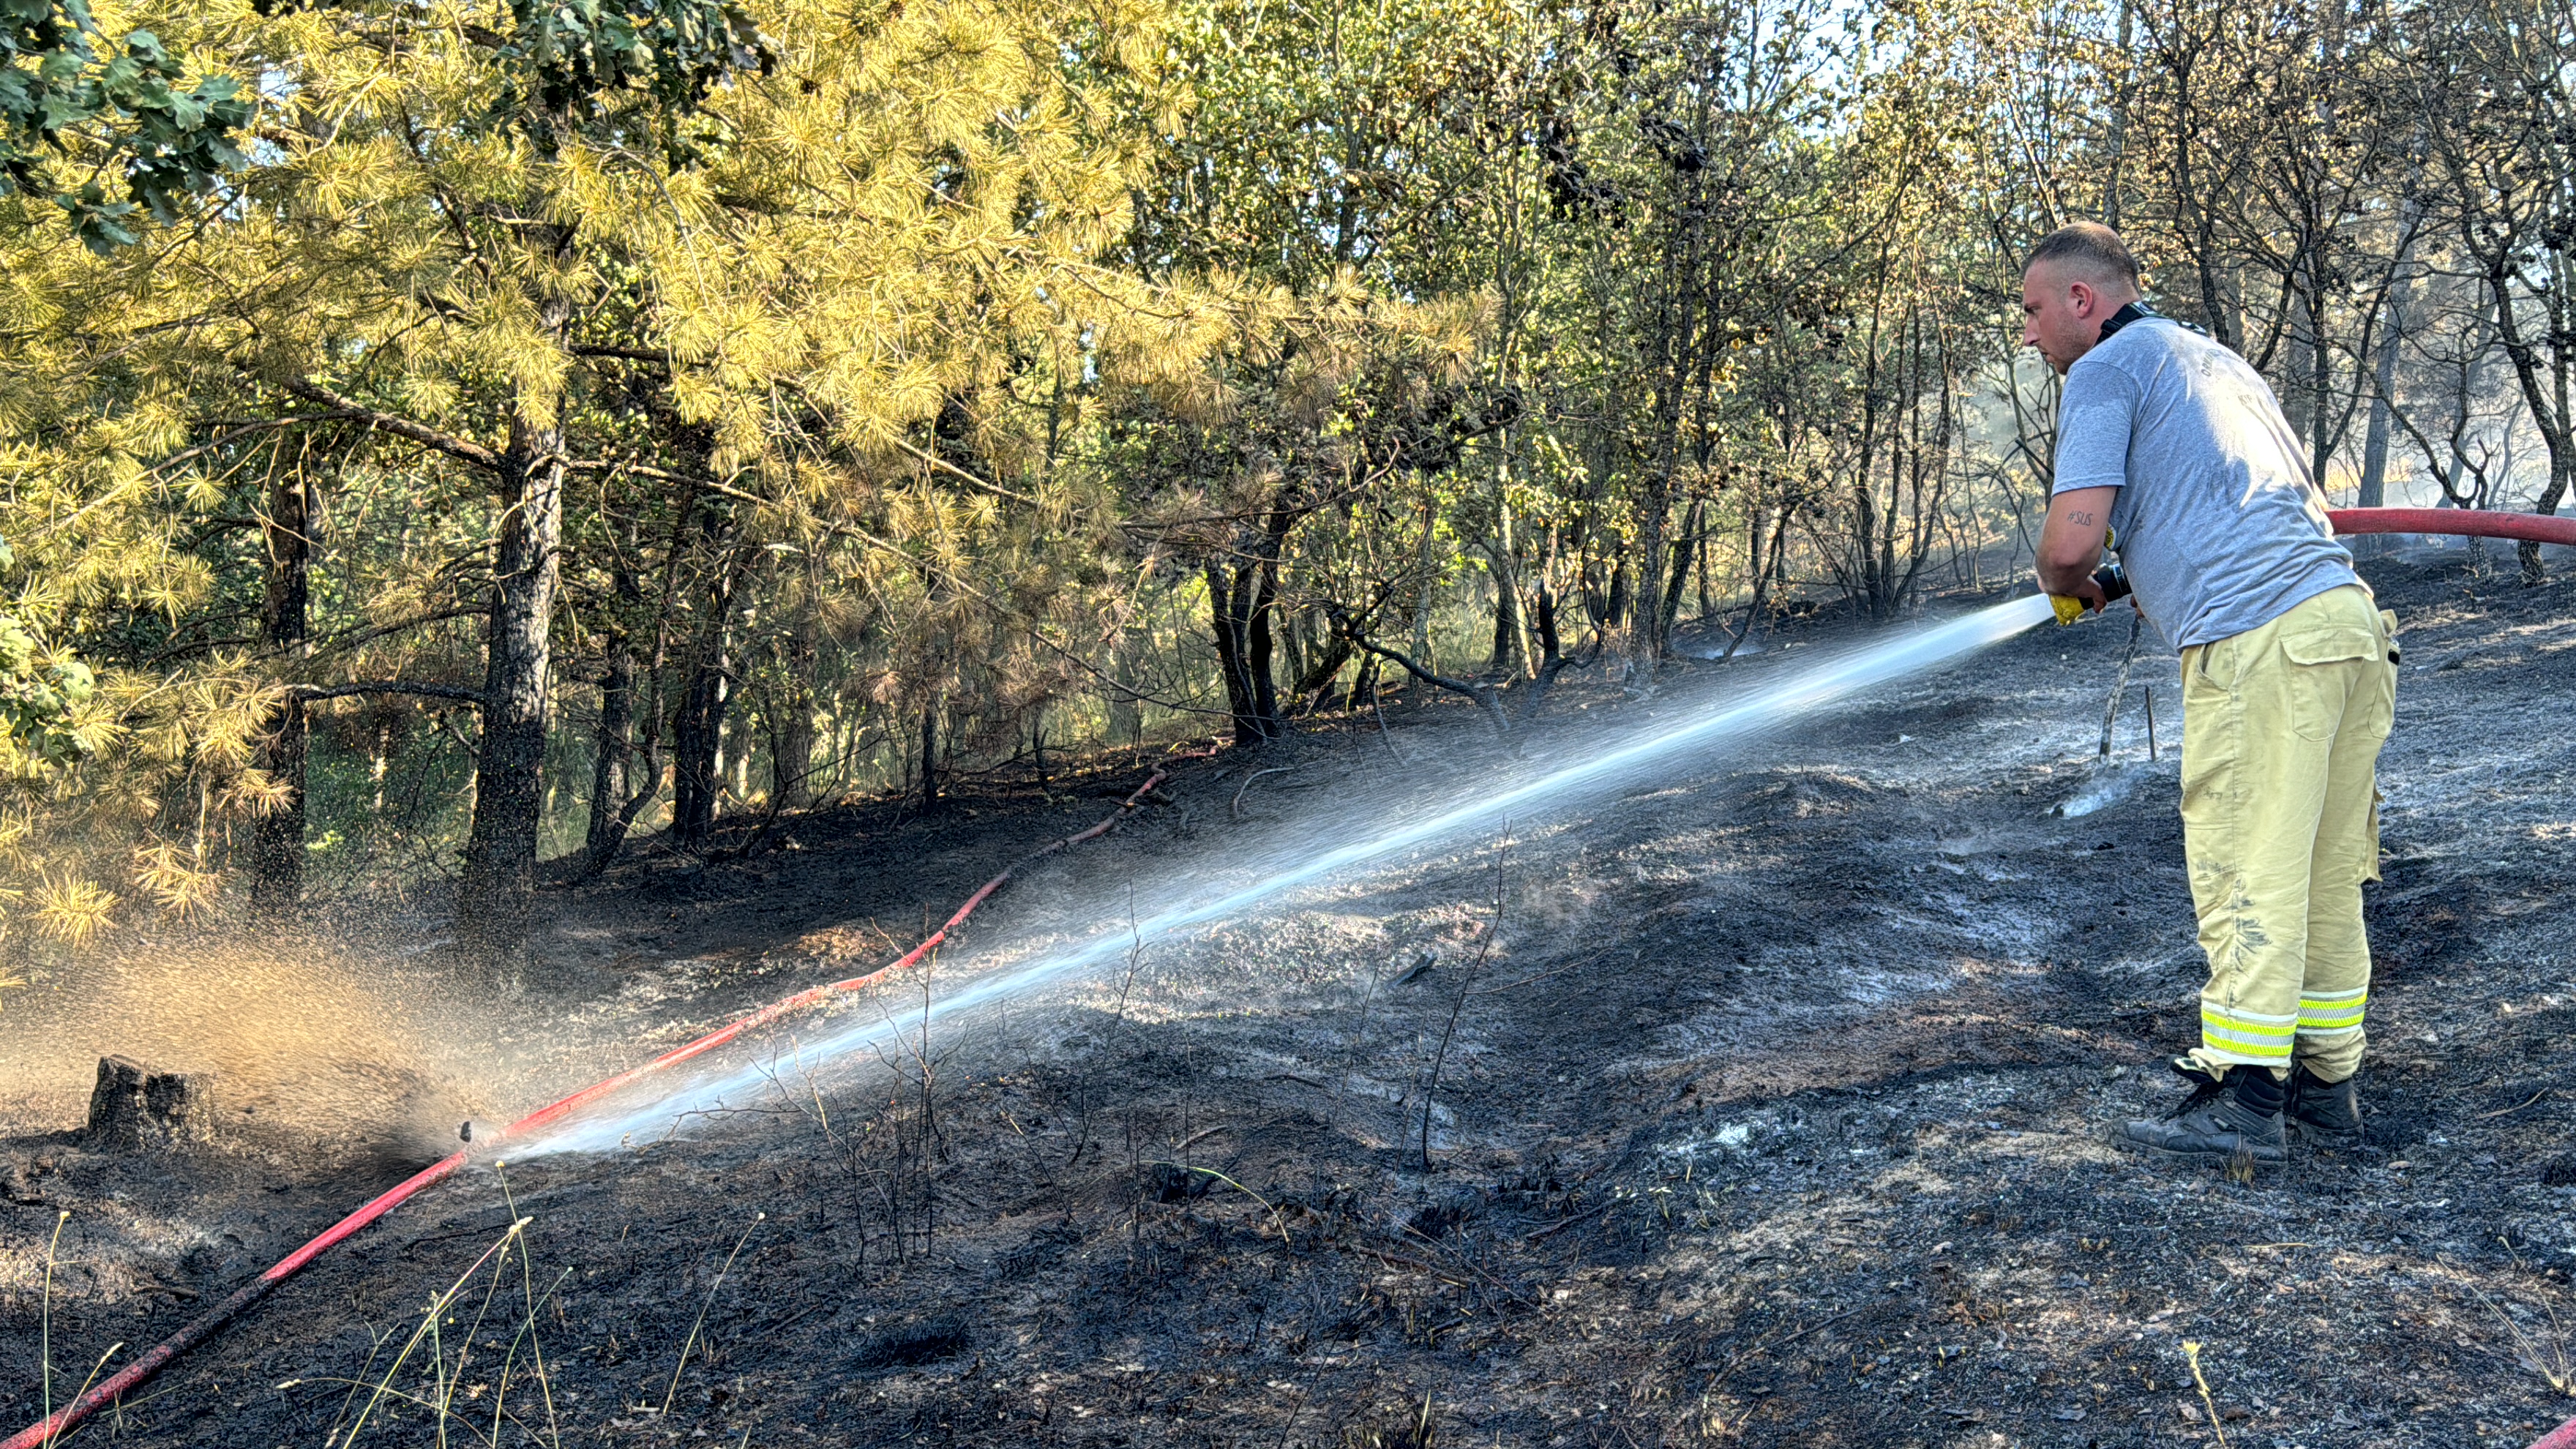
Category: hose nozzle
[2114,585]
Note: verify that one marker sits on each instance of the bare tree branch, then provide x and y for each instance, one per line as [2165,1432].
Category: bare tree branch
[1487,698]
[461,449]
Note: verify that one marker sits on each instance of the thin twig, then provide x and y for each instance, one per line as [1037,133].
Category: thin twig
[2120,686]
[2550,1360]
[1398,1260]
[1762,1348]
[1236,809]
[1431,1090]
[1238,1187]
[692,1340]
[1544,975]
[1561,1224]
[45,1334]
[2509,1111]
[93,1378]
[528,1332]
[1135,953]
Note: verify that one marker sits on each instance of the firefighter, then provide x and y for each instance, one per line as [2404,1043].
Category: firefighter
[2173,451]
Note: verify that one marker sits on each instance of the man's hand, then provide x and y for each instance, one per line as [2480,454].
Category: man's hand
[2070,543]
[2087,593]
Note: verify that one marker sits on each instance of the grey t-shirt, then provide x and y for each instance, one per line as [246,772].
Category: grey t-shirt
[2215,524]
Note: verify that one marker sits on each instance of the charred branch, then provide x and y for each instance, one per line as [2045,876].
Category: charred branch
[1553,660]
[1487,697]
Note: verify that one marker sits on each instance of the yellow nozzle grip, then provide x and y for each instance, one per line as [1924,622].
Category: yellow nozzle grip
[2069,608]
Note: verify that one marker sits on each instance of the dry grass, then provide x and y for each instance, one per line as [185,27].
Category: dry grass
[2191,1351]
[2542,1351]
[700,1322]
[446,1388]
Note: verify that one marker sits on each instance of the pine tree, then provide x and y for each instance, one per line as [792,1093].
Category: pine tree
[430,283]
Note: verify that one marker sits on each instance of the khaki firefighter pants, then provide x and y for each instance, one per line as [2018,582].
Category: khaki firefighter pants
[2282,726]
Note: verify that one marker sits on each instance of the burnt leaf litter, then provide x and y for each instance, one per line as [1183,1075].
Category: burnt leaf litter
[1767,1110]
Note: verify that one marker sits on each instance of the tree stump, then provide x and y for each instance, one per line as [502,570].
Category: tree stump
[135,1106]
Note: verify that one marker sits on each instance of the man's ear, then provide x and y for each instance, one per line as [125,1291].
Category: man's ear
[2082,296]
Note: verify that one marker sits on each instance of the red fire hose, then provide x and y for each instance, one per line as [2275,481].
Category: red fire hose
[2470,522]
[212,1321]
[2476,523]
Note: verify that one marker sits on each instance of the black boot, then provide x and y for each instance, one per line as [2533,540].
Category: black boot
[2226,1119]
[2325,1114]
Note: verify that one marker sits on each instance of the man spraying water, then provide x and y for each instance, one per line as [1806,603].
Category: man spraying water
[2172,449]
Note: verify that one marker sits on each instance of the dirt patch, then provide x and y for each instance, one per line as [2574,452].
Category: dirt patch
[1765,1109]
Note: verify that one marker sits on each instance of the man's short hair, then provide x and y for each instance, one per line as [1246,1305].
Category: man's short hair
[2090,248]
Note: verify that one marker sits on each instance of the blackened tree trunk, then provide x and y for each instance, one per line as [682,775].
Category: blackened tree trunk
[1506,655]
[1763,572]
[277,838]
[1646,638]
[1680,575]
[1317,682]
[1258,648]
[637,762]
[698,728]
[1225,622]
[2545,365]
[608,762]
[791,716]
[1552,658]
[1126,709]
[509,789]
[612,805]
[696,733]
[1242,595]
[930,757]
[2383,372]
[2374,446]
[1699,571]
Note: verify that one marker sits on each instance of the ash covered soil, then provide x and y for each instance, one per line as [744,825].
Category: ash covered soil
[1760,1105]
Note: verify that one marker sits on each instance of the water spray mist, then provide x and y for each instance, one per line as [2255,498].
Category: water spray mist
[1803,691]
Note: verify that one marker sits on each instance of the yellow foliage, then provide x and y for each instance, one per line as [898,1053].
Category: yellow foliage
[878,234]
[71,909]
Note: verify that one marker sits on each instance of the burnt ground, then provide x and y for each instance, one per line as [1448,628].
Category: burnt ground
[1763,1107]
